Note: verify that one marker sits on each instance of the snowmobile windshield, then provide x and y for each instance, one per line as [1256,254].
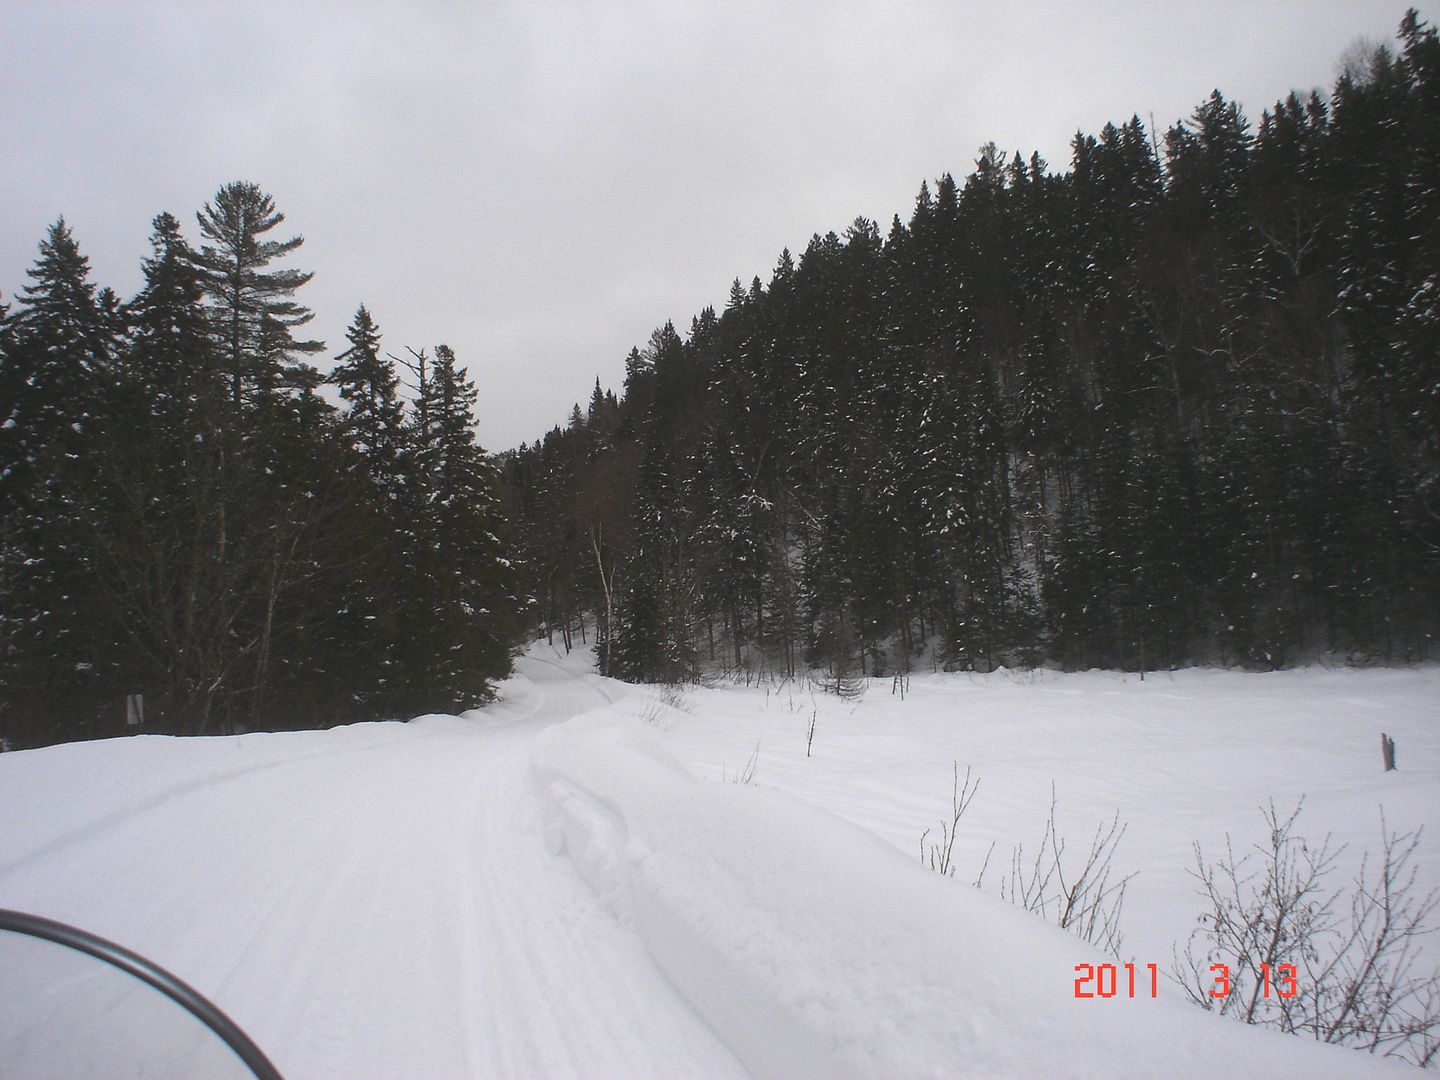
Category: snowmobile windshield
[75,1005]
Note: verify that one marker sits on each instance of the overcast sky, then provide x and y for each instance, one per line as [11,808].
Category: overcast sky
[540,183]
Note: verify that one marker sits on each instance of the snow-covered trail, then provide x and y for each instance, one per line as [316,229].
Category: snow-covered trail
[556,886]
[372,901]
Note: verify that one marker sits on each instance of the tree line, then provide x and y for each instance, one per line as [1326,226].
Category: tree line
[1179,403]
[191,526]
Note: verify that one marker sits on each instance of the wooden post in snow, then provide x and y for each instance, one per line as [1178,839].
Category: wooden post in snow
[1387,751]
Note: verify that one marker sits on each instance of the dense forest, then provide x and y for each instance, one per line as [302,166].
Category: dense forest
[194,535]
[1178,404]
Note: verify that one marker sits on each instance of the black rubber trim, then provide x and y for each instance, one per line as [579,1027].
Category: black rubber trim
[184,995]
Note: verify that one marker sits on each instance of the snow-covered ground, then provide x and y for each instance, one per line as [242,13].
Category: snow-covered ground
[565,884]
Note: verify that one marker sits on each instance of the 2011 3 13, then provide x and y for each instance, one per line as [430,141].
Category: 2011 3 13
[1119,980]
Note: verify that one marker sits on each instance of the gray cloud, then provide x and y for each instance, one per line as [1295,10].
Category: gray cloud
[539,184]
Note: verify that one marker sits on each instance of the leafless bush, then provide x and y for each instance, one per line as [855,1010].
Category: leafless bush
[940,853]
[747,774]
[789,685]
[673,695]
[1292,957]
[658,709]
[1086,903]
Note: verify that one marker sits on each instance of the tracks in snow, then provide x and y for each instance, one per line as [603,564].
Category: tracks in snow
[372,901]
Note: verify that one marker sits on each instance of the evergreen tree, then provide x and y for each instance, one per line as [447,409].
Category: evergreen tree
[184,518]
[58,347]
[364,626]
[652,639]
[251,309]
[157,468]
[57,356]
[1160,408]
[373,417]
[460,604]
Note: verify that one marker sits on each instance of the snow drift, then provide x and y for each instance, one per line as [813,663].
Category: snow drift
[814,949]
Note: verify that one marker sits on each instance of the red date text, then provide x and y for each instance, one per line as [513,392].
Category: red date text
[1112,980]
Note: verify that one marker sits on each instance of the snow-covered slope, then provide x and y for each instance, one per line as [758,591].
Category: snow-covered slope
[561,885]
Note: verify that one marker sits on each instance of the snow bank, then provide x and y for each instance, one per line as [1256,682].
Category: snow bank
[813,948]
[377,901]
[1183,757]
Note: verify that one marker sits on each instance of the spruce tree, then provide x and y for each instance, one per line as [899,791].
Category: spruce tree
[372,419]
[58,353]
[459,612]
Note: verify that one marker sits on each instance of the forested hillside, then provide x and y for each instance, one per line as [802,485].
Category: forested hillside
[1178,403]
[191,528]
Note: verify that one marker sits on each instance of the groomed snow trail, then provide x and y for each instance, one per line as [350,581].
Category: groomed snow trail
[371,901]
[557,885]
